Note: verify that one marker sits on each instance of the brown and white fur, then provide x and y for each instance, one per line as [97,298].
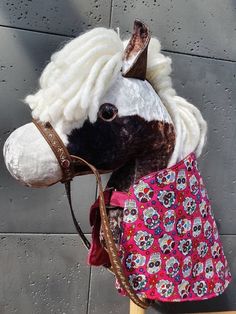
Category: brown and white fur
[112,106]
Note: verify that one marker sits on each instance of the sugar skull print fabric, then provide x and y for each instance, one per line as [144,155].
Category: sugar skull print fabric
[173,252]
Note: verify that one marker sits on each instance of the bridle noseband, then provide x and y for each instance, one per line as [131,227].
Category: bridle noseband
[68,164]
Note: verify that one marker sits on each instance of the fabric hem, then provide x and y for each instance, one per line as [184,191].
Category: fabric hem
[152,174]
[211,296]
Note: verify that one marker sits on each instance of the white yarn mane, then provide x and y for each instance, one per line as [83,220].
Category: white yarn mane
[80,74]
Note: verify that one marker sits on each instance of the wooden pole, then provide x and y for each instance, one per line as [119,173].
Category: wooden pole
[135,309]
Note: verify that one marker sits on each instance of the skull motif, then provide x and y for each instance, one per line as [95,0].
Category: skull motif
[187,267]
[143,240]
[181,181]
[183,226]
[166,198]
[143,192]
[220,270]
[165,288]
[200,288]
[194,185]
[189,163]
[227,271]
[215,250]
[197,269]
[154,263]
[202,249]
[151,218]
[209,271]
[189,205]
[137,281]
[166,243]
[169,220]
[208,230]
[210,211]
[172,266]
[130,211]
[204,209]
[215,230]
[226,283]
[165,177]
[134,260]
[197,226]
[202,188]
[185,246]
[219,288]
[184,288]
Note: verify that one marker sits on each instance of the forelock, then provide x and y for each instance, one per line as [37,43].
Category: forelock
[77,76]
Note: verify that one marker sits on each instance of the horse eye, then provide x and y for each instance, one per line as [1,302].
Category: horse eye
[107,112]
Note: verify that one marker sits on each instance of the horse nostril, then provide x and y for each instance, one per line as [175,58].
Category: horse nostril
[107,112]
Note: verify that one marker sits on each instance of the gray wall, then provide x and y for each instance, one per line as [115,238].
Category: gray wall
[42,263]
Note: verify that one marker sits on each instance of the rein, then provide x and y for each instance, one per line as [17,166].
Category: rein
[67,163]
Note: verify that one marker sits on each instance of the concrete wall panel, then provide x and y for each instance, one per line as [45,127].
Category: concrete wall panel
[55,16]
[23,56]
[43,274]
[206,27]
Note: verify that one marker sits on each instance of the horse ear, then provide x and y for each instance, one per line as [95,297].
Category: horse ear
[135,54]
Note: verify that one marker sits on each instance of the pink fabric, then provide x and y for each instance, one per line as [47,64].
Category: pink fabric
[118,199]
[170,247]
[97,254]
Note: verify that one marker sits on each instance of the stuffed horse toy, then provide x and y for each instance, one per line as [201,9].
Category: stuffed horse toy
[108,106]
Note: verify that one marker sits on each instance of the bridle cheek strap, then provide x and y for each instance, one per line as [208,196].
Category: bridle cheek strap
[67,163]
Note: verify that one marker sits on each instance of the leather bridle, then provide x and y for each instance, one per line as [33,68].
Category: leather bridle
[68,165]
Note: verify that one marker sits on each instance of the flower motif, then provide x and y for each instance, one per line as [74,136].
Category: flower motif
[152,280]
[195,243]
[158,230]
[198,197]
[211,285]
[130,231]
[177,278]
[180,197]
[179,212]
